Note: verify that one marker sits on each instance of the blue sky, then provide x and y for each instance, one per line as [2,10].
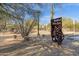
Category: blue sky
[64,10]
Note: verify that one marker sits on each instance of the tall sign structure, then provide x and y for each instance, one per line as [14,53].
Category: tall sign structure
[56,30]
[56,27]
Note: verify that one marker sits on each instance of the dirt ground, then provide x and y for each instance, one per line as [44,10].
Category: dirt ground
[37,46]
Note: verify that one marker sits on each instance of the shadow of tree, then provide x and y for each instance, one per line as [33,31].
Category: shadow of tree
[39,48]
[13,47]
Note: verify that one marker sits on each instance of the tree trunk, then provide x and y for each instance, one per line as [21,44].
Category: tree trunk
[38,27]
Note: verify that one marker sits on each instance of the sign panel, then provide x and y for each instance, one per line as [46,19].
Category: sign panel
[56,30]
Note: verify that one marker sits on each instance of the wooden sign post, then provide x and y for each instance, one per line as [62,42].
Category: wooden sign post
[56,30]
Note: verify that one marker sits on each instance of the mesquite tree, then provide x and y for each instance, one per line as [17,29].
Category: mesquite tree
[18,13]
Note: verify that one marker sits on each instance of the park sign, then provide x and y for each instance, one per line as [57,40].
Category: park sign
[56,30]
